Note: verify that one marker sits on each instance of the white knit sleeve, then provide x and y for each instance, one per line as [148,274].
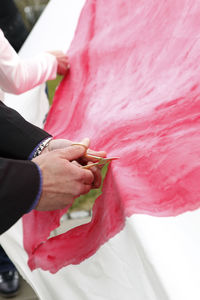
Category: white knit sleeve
[18,75]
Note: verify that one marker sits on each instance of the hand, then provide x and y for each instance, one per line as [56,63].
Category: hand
[62,143]
[63,62]
[63,181]
[56,144]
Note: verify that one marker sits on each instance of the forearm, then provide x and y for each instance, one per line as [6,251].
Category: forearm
[20,184]
[18,137]
[17,75]
[20,179]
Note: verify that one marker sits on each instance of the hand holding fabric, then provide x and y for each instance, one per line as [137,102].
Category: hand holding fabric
[62,61]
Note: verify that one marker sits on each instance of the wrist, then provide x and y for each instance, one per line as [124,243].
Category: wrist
[42,148]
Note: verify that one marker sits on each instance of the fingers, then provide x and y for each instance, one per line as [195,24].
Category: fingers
[62,62]
[96,153]
[86,142]
[97,177]
[76,155]
[82,190]
[91,156]
[63,68]
[64,143]
[74,162]
[86,189]
[59,144]
[73,152]
[93,177]
[87,177]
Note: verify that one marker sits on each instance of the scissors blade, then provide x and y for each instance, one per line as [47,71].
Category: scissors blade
[99,158]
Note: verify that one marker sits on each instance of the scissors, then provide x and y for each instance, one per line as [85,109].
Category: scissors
[101,161]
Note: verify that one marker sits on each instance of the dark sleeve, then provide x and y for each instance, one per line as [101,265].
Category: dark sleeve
[18,137]
[19,185]
[20,181]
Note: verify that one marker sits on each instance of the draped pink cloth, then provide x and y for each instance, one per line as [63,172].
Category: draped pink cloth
[133,88]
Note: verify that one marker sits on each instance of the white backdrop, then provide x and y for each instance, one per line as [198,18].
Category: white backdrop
[151,259]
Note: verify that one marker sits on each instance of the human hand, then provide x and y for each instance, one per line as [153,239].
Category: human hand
[63,181]
[56,144]
[84,160]
[62,61]
[87,159]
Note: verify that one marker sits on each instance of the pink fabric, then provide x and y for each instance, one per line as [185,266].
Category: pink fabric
[133,88]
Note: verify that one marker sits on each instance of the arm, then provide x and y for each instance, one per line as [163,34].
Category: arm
[20,181]
[50,181]
[19,187]
[18,137]
[17,75]
[21,184]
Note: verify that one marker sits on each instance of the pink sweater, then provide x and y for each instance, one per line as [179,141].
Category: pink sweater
[19,75]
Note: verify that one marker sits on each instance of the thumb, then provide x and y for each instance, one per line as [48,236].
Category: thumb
[86,142]
[73,152]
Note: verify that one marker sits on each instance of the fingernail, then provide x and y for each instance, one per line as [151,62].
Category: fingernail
[86,142]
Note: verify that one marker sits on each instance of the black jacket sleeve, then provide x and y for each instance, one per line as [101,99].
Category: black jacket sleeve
[18,137]
[19,187]
[19,178]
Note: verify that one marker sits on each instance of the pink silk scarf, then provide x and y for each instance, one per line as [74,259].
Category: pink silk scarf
[133,89]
